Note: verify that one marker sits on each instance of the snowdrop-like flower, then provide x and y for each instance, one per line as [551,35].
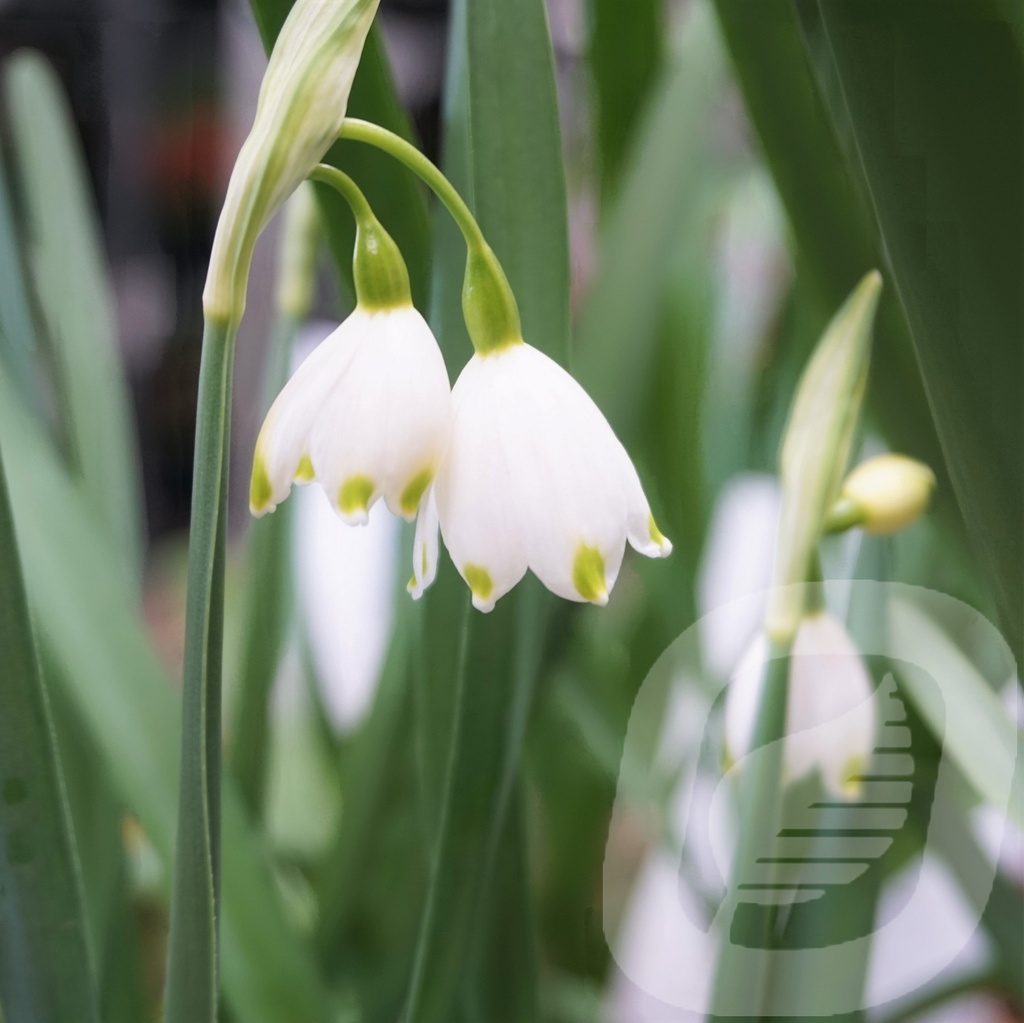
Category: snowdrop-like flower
[367,414]
[533,477]
[830,716]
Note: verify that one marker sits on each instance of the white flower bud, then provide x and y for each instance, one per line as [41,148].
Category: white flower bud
[830,713]
[888,493]
[301,108]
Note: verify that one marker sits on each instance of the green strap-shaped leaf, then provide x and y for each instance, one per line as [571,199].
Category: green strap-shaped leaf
[45,972]
[102,658]
[69,271]
[515,160]
[937,110]
[503,150]
[816,173]
[986,745]
[17,329]
[625,52]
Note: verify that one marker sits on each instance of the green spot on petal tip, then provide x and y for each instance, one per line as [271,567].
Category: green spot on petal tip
[304,473]
[260,490]
[588,574]
[355,495]
[414,491]
[480,582]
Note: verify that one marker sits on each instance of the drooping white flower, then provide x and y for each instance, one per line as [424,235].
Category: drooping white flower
[830,715]
[533,477]
[366,415]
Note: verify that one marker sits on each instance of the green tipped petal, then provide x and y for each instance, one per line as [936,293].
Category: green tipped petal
[355,495]
[414,491]
[480,582]
[588,574]
[304,473]
[260,490]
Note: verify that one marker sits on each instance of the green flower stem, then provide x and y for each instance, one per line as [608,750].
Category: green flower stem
[748,927]
[490,308]
[843,515]
[191,995]
[379,272]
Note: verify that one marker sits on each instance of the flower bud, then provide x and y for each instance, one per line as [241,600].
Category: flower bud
[301,108]
[887,493]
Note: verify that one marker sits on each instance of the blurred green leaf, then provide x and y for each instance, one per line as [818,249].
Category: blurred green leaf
[503,149]
[936,107]
[625,55]
[69,271]
[816,172]
[45,969]
[104,661]
[17,329]
[672,182]
[986,744]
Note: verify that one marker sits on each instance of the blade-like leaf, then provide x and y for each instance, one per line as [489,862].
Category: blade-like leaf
[101,656]
[624,54]
[985,745]
[503,148]
[936,107]
[817,178]
[68,263]
[17,329]
[45,972]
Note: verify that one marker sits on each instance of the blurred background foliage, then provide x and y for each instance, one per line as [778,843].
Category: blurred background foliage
[418,801]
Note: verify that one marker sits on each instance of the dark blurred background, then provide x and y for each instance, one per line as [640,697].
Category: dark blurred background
[163,93]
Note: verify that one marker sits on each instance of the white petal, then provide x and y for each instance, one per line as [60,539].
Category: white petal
[474,490]
[284,437]
[384,424]
[832,713]
[425,546]
[742,699]
[567,471]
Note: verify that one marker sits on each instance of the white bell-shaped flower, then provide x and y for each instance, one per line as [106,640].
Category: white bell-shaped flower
[830,715]
[533,477]
[366,415]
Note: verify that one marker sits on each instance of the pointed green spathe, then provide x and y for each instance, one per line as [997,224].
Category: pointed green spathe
[816,447]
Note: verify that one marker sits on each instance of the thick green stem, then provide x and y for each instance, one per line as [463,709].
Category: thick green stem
[492,314]
[192,956]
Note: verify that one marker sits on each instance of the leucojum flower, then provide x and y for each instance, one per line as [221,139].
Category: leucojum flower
[533,478]
[367,414]
[830,713]
[516,468]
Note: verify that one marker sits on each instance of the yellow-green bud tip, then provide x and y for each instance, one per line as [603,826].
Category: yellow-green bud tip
[890,492]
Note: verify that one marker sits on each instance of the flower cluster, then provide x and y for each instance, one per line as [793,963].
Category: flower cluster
[516,466]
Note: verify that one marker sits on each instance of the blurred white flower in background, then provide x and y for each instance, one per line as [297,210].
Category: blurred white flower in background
[830,715]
